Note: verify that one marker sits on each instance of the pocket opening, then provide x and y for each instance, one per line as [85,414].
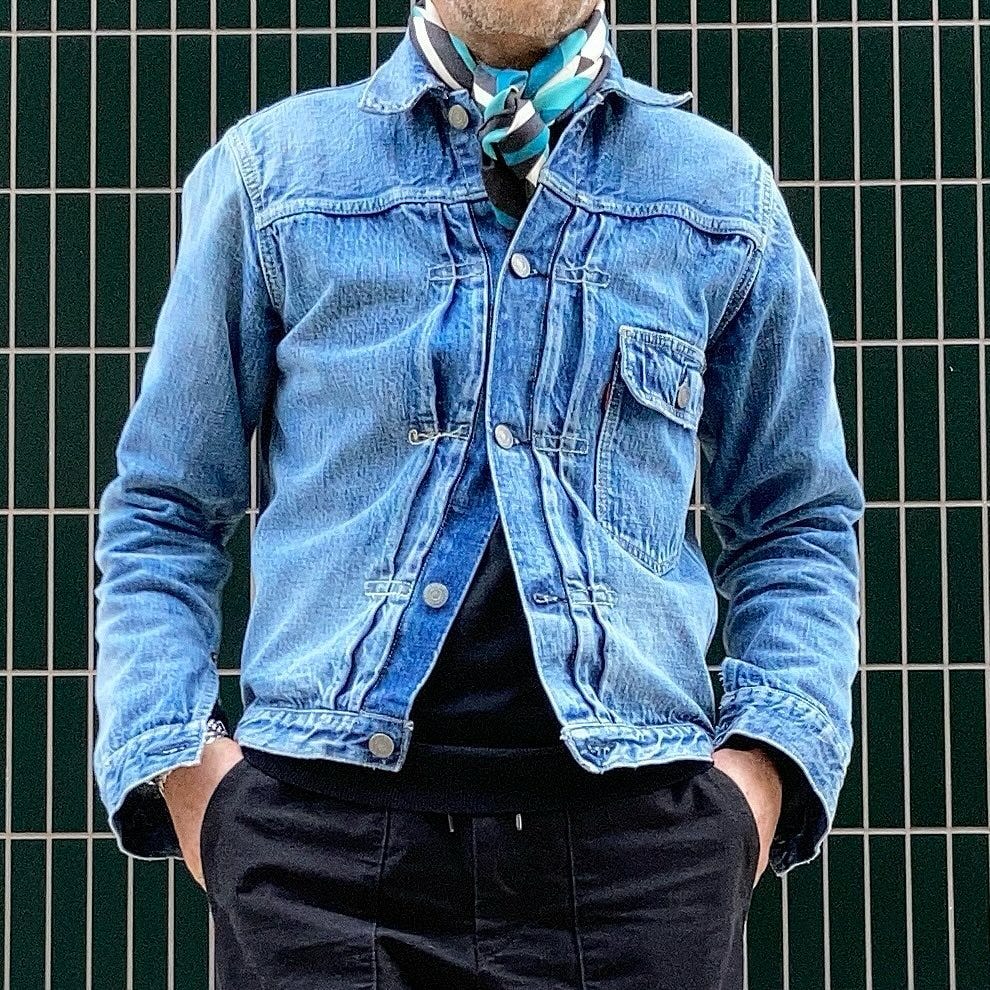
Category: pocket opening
[210,812]
[746,809]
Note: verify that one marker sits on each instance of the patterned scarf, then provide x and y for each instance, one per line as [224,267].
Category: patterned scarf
[517,105]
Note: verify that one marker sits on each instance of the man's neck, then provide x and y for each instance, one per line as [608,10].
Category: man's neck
[504,51]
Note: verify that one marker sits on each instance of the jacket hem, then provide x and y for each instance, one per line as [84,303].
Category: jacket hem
[344,736]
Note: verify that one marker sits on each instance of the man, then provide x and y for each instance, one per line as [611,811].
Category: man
[480,307]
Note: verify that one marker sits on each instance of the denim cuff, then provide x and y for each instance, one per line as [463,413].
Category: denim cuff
[801,731]
[137,813]
[801,811]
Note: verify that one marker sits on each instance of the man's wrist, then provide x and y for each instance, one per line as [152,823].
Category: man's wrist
[216,728]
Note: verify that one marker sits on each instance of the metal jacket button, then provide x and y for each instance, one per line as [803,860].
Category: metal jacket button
[520,264]
[458,117]
[381,744]
[683,395]
[503,435]
[435,593]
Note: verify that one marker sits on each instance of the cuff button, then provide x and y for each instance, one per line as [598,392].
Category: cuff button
[381,744]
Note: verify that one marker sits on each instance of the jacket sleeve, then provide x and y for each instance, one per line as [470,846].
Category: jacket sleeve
[181,488]
[784,503]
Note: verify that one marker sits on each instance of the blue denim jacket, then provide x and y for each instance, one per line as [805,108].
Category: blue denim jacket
[331,292]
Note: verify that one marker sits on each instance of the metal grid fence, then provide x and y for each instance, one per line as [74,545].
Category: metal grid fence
[871,113]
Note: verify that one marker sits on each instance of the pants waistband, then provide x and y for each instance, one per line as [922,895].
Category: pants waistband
[470,779]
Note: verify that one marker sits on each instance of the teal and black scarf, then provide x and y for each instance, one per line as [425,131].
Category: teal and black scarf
[517,105]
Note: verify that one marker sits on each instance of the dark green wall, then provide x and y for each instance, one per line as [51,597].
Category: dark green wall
[874,120]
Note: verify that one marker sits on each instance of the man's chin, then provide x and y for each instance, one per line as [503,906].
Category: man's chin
[516,26]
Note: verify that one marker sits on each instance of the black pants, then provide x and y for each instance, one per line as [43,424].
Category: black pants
[646,893]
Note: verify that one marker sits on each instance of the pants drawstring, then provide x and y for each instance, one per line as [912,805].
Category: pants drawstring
[450,821]
[518,821]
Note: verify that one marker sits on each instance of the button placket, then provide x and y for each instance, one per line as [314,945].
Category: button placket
[503,436]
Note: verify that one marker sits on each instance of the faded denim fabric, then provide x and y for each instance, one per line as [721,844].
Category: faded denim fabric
[331,290]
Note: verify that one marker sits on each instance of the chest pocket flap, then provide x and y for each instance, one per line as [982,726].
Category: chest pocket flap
[663,372]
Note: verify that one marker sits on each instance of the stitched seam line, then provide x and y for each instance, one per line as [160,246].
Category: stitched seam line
[706,222]
[377,899]
[747,277]
[784,696]
[252,186]
[574,903]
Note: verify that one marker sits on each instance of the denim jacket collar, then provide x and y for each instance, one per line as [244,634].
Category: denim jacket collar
[404,77]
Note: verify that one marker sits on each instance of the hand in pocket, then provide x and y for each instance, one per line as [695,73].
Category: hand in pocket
[188,791]
[756,776]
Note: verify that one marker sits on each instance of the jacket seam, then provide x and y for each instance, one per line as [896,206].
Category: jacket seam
[740,291]
[708,222]
[345,713]
[250,179]
[570,728]
[364,206]
[748,274]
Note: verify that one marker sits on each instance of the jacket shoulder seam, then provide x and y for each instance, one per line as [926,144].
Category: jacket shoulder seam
[251,179]
[748,272]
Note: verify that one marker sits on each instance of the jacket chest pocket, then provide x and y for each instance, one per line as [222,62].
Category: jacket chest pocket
[646,453]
